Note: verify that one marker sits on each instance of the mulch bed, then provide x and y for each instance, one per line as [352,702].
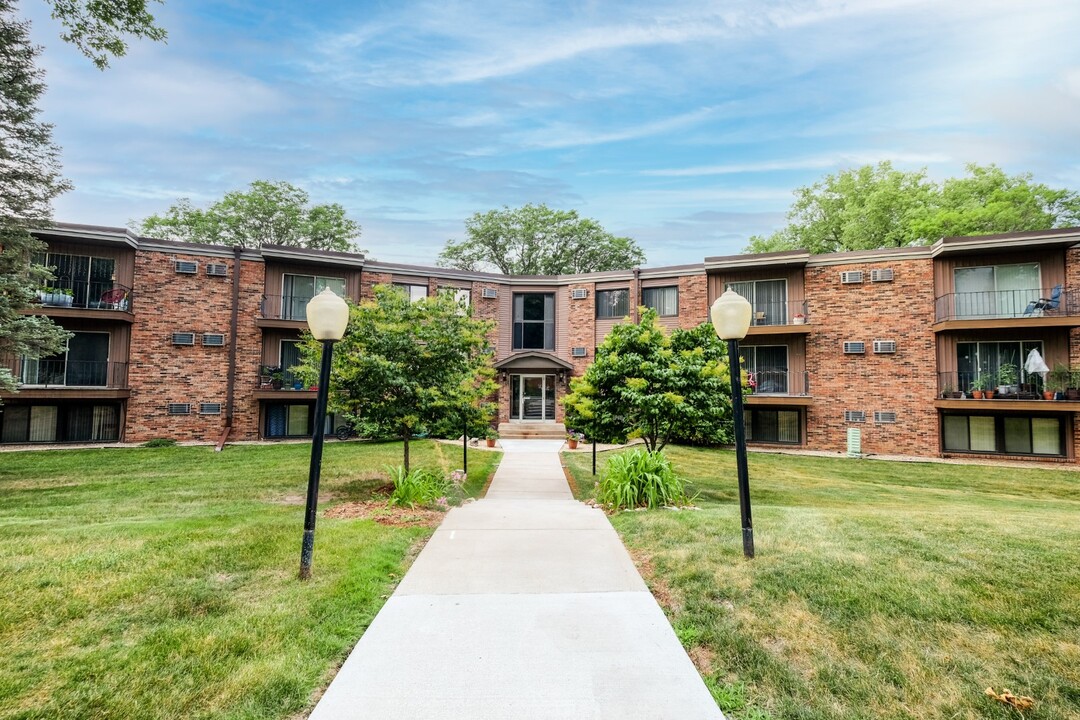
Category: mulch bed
[384,514]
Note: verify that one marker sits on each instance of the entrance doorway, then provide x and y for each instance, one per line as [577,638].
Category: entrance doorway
[532,397]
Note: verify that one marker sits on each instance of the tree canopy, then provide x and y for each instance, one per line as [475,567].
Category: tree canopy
[645,383]
[99,29]
[536,240]
[268,212]
[405,365]
[878,206]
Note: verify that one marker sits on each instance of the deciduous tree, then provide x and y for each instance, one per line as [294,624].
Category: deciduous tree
[536,240]
[878,206]
[645,383]
[404,365]
[276,213]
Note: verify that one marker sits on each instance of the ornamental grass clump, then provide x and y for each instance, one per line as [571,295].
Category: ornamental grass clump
[640,478]
[416,487]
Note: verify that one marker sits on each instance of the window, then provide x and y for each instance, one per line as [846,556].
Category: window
[415,292]
[985,360]
[85,363]
[612,303]
[462,295]
[664,300]
[297,290]
[1004,434]
[77,422]
[293,420]
[996,290]
[768,298]
[768,365]
[776,426]
[87,278]
[288,358]
[534,321]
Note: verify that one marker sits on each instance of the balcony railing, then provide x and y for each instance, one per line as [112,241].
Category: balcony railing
[1003,304]
[71,373]
[285,307]
[86,294]
[961,384]
[780,312]
[780,382]
[274,378]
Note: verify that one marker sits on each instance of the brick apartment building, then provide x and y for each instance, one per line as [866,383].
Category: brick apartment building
[194,342]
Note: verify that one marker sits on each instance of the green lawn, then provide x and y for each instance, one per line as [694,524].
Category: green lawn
[161,583]
[880,590]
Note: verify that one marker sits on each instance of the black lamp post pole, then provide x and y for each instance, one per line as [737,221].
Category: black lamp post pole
[740,448]
[308,545]
[594,456]
[465,446]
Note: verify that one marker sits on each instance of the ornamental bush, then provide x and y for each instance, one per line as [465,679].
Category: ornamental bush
[641,478]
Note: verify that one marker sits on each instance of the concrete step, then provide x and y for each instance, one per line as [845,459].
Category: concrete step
[532,431]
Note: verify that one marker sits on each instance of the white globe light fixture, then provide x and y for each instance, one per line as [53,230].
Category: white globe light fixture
[327,317]
[730,315]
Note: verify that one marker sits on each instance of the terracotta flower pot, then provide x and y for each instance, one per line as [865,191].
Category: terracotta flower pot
[572,444]
[1048,395]
[491,442]
[989,394]
[977,394]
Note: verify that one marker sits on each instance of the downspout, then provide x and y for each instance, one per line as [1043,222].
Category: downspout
[637,293]
[230,380]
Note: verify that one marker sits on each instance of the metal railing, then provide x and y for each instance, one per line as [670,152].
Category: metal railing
[780,382]
[285,307]
[780,312]
[71,373]
[1001,304]
[962,384]
[272,377]
[85,294]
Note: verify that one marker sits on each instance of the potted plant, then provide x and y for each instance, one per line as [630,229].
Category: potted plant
[491,436]
[277,378]
[798,319]
[1072,392]
[978,387]
[1008,378]
[987,380]
[1057,380]
[573,438]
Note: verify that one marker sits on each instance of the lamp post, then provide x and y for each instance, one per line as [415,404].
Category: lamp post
[327,316]
[730,316]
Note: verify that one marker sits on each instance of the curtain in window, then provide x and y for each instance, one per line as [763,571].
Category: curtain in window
[974,292]
[612,303]
[290,357]
[16,420]
[43,423]
[1016,286]
[771,299]
[88,360]
[296,290]
[983,438]
[106,423]
[664,300]
[956,433]
[298,420]
[1046,436]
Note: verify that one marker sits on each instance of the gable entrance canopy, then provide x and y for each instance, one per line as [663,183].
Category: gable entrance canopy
[537,362]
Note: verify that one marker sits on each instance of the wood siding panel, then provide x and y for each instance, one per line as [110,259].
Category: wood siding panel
[1051,267]
[796,286]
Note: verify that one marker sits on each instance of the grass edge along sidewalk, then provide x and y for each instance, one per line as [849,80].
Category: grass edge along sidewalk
[880,589]
[161,583]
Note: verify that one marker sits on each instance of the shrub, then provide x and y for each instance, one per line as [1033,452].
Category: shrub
[416,487]
[159,442]
[640,478]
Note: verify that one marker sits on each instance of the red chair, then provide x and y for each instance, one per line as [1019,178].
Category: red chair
[115,299]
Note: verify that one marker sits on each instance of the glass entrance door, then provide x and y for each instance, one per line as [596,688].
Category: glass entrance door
[532,397]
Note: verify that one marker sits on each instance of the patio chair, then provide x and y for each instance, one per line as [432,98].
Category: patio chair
[1043,304]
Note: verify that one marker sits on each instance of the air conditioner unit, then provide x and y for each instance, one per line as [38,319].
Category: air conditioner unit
[884,416]
[209,408]
[579,294]
[579,352]
[186,267]
[179,408]
[218,270]
[213,340]
[882,275]
[851,277]
[183,338]
[884,346]
[853,416]
[854,348]
[489,293]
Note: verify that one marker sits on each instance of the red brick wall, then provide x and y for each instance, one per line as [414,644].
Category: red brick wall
[1072,296]
[904,382]
[369,280]
[693,300]
[161,373]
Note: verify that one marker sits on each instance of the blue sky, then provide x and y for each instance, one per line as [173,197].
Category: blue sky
[684,126]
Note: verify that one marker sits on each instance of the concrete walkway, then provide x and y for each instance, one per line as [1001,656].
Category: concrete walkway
[522,605]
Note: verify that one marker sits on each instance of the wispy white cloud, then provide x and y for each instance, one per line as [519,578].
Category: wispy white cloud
[820,162]
[563,135]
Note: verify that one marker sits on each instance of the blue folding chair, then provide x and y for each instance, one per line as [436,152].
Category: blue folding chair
[1044,304]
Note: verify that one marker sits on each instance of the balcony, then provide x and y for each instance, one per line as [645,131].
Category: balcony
[274,383]
[779,317]
[1037,307]
[779,387]
[64,297]
[283,311]
[50,378]
[956,391]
